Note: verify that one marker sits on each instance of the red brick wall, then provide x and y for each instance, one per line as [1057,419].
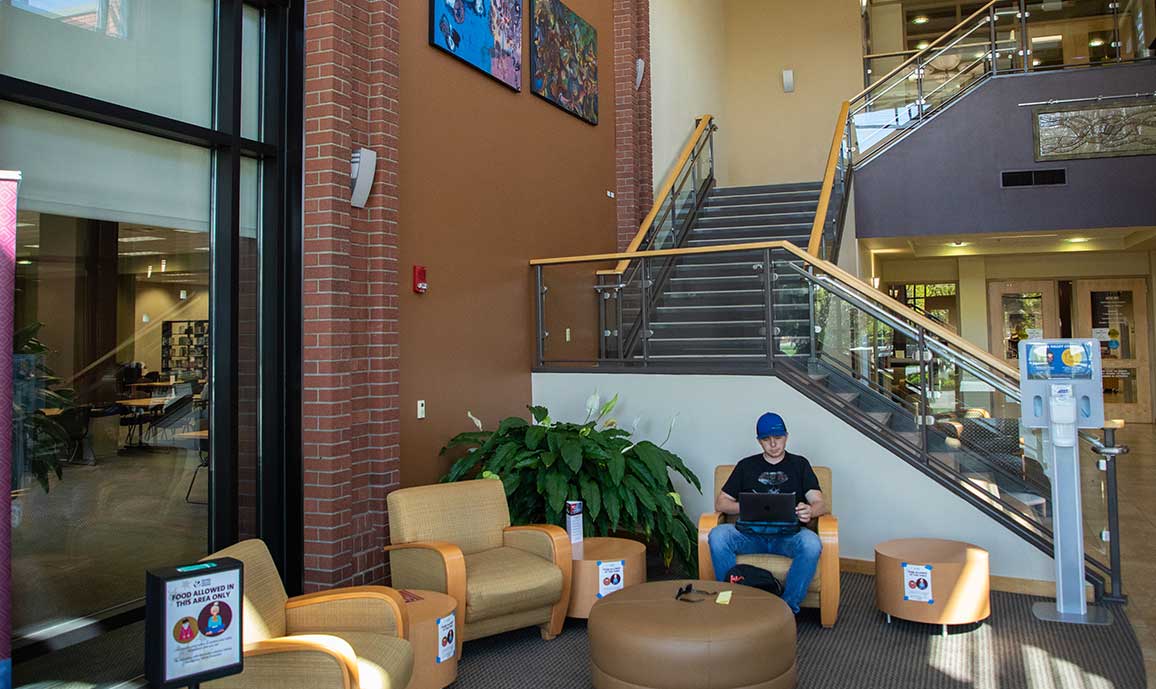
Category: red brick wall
[635,184]
[351,365]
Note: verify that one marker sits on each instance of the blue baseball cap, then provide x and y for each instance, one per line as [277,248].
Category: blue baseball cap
[770,424]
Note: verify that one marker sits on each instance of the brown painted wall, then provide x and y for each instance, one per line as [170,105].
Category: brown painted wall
[489,179]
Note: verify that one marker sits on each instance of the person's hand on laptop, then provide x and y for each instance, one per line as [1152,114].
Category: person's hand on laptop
[803,512]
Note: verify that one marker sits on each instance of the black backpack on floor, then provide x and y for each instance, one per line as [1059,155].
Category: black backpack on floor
[756,577]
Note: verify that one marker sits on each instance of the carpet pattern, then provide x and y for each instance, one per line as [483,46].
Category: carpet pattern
[1011,650]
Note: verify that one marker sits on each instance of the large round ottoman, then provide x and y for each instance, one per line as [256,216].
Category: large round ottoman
[642,638]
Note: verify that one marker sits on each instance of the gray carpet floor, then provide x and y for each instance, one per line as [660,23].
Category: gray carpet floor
[1011,650]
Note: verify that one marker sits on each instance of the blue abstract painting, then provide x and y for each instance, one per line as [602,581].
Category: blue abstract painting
[484,33]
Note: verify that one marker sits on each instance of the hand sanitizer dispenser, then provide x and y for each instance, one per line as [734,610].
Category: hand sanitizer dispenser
[1061,390]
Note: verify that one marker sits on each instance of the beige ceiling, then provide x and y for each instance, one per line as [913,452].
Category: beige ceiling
[1104,239]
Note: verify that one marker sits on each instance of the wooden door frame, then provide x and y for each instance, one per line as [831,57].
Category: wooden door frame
[1141,410]
[997,288]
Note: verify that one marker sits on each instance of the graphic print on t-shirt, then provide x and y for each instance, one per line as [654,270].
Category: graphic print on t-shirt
[772,481]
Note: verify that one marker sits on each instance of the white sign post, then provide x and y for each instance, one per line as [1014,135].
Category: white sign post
[193,623]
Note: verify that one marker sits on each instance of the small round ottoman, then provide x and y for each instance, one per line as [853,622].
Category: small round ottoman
[642,638]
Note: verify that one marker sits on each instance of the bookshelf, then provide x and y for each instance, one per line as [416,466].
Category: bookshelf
[185,348]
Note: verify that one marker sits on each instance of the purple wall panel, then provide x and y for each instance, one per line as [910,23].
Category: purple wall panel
[944,178]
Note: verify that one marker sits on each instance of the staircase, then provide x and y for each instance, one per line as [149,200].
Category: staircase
[713,307]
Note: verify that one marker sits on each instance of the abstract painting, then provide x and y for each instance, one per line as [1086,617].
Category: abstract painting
[564,59]
[484,33]
[1095,130]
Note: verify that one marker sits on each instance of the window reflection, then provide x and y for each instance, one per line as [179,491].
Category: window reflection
[111,412]
[103,16]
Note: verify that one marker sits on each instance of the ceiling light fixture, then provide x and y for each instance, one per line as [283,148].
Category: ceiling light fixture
[139,238]
[164,265]
[1057,38]
[25,262]
[201,248]
[150,270]
[1035,63]
[922,45]
[31,246]
[1096,42]
[958,245]
[921,19]
[1077,240]
[25,224]
[139,253]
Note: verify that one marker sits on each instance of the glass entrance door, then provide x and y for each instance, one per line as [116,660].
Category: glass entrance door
[1115,312]
[1021,310]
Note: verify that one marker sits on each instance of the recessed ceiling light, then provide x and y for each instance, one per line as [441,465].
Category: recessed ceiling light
[1057,38]
[139,253]
[921,19]
[922,45]
[1035,63]
[1096,42]
[201,248]
[139,238]
[1077,240]
[31,246]
[958,244]
[25,224]
[25,262]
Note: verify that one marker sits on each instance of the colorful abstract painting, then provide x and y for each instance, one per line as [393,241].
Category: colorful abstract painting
[564,59]
[484,33]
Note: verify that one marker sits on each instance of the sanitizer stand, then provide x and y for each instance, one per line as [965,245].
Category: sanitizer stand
[1061,390]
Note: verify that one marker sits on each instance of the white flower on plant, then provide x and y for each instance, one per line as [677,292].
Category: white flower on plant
[669,430]
[634,425]
[476,420]
[592,403]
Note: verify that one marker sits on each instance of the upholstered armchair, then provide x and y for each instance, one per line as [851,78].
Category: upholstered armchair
[824,590]
[456,538]
[347,638]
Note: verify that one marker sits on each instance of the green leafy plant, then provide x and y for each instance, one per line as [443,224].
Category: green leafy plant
[625,486]
[39,441]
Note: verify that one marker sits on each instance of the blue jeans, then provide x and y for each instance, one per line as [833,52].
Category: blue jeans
[804,548]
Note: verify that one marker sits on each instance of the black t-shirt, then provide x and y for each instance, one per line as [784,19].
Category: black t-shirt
[755,474]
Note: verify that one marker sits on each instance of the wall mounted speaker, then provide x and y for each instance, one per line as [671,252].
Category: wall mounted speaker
[363,166]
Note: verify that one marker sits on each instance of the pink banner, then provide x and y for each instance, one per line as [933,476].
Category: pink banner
[8,183]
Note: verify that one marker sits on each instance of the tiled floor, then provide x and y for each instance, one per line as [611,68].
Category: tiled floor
[1137,479]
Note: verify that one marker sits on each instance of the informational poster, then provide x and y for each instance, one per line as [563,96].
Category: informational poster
[610,573]
[917,583]
[1053,361]
[574,520]
[1112,320]
[447,630]
[1035,333]
[193,623]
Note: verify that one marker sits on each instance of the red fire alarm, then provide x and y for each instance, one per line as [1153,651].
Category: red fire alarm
[420,286]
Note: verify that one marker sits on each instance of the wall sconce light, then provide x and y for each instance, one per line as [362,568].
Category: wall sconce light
[145,318]
[788,81]
[362,168]
[875,282]
[639,72]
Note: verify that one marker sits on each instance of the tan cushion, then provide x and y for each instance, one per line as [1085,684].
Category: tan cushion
[777,565]
[264,615]
[501,581]
[383,662]
[469,514]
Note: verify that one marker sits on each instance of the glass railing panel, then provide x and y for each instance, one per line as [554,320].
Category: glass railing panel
[891,107]
[1008,36]
[571,313]
[959,63]
[1070,33]
[1134,22]
[1094,496]
[662,231]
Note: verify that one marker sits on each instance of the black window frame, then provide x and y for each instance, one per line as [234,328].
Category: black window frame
[281,153]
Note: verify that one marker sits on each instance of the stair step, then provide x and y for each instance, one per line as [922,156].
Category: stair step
[880,417]
[769,233]
[757,220]
[797,240]
[716,201]
[767,208]
[848,397]
[767,188]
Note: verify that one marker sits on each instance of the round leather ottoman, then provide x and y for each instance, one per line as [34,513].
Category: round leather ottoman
[642,638]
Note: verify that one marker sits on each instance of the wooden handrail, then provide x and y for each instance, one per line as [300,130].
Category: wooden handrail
[843,277]
[933,44]
[828,181]
[687,150]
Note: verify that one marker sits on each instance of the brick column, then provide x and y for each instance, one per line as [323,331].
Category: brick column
[351,366]
[633,137]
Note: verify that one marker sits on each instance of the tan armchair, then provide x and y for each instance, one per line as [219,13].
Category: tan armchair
[348,638]
[456,538]
[823,592]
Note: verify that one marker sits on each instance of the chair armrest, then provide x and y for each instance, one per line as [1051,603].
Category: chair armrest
[550,543]
[377,609]
[315,660]
[706,522]
[829,569]
[453,571]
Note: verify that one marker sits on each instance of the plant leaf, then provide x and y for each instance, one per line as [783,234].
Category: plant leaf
[539,413]
[655,463]
[572,454]
[617,468]
[591,495]
[548,459]
[556,489]
[510,423]
[608,407]
[613,506]
[642,493]
[534,436]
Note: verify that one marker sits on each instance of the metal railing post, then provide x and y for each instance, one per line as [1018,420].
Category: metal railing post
[710,143]
[769,296]
[644,311]
[919,87]
[540,313]
[993,55]
[1116,29]
[813,354]
[603,333]
[924,405]
[1025,44]
[1109,452]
